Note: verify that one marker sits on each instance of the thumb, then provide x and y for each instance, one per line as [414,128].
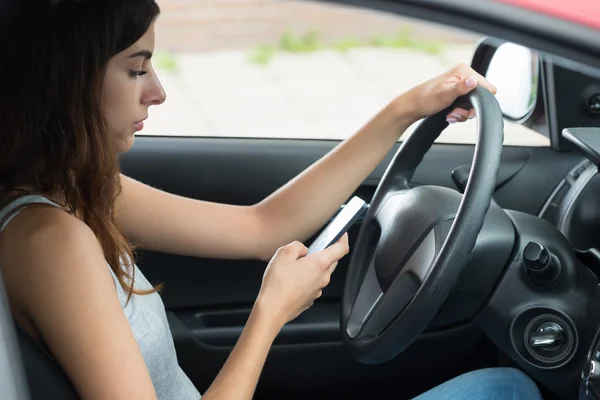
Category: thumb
[294,250]
[333,253]
[465,85]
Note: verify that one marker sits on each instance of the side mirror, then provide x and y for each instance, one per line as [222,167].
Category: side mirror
[515,71]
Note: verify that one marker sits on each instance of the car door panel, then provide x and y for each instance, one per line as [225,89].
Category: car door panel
[324,369]
[208,300]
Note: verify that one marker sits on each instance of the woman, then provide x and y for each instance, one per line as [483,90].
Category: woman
[79,85]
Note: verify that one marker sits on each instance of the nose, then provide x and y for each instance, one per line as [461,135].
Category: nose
[155,93]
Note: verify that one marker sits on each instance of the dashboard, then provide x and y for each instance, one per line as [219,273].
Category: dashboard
[574,209]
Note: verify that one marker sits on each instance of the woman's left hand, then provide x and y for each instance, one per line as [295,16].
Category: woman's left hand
[440,92]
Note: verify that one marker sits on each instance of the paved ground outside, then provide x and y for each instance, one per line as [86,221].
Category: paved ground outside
[209,25]
[322,95]
[214,89]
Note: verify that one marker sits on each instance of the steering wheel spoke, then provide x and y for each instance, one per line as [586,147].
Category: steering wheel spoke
[368,298]
[375,306]
[374,309]
[420,262]
[391,303]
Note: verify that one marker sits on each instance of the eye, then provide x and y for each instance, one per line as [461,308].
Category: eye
[137,74]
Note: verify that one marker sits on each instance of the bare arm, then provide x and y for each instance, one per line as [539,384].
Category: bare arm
[291,283]
[239,376]
[165,222]
[169,223]
[57,276]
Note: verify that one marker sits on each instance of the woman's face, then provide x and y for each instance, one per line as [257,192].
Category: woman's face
[130,88]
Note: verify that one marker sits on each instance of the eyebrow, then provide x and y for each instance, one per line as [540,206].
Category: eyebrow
[143,53]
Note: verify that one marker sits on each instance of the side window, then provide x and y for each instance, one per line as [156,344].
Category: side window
[296,69]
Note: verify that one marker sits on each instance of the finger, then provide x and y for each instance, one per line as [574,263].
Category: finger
[336,251]
[471,113]
[466,72]
[457,115]
[468,83]
[344,239]
[293,250]
[332,253]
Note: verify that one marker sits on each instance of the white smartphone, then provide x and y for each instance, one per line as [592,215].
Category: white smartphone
[339,225]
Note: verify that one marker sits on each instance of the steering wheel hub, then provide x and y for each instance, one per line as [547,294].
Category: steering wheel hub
[406,221]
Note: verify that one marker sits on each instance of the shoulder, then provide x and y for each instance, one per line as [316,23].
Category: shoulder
[44,245]
[41,232]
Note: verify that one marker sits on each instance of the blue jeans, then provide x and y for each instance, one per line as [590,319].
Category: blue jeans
[486,384]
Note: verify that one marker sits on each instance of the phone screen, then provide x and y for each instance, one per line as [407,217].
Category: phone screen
[340,224]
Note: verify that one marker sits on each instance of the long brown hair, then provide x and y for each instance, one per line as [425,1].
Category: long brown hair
[53,135]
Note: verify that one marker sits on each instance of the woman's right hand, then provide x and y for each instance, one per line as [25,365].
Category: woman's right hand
[293,280]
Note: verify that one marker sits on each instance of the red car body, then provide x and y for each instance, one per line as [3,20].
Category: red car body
[584,12]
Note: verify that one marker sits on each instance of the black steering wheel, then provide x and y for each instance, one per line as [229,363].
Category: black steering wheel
[414,242]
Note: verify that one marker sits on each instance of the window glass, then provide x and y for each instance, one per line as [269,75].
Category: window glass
[296,69]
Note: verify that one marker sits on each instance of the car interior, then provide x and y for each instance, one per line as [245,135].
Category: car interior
[469,256]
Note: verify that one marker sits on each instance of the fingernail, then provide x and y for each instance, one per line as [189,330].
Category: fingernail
[457,116]
[471,116]
[471,82]
[451,120]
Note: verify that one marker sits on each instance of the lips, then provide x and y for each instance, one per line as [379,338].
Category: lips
[139,125]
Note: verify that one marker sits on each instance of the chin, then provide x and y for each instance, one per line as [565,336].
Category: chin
[126,143]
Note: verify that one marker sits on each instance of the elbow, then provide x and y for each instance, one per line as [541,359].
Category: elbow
[264,237]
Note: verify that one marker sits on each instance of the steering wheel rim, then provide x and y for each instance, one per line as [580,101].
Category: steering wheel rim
[414,242]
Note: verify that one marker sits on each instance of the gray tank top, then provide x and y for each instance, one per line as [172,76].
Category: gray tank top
[148,320]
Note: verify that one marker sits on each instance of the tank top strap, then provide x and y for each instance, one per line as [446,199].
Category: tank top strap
[12,209]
